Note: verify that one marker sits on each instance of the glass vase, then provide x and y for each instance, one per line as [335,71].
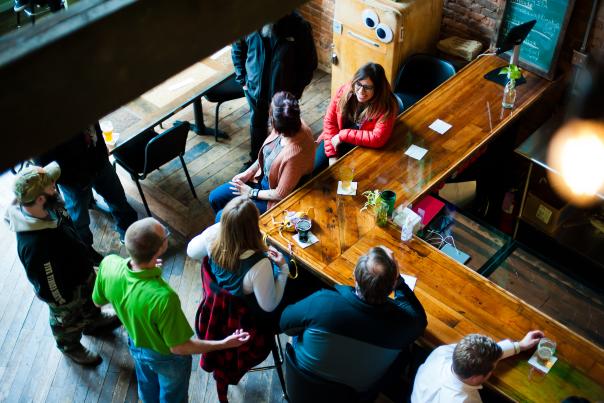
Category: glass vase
[381,213]
[509,95]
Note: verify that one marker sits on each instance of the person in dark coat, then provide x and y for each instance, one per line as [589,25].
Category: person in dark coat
[279,57]
[84,162]
[56,261]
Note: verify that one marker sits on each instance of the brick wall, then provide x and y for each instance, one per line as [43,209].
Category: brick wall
[320,14]
[475,19]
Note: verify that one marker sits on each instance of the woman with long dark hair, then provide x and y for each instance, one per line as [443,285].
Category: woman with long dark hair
[362,113]
[285,157]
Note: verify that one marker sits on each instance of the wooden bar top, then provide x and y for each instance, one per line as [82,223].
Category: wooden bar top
[457,300]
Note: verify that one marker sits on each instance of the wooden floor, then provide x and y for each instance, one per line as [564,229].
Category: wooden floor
[32,369]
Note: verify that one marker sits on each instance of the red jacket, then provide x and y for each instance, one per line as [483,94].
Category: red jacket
[374,133]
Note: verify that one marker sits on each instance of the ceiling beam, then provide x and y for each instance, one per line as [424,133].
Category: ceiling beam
[78,65]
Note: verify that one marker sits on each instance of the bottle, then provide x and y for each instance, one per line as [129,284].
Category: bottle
[509,94]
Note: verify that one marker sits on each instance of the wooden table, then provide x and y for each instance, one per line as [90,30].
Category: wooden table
[457,300]
[185,88]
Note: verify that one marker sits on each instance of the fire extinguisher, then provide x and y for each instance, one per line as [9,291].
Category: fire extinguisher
[508,208]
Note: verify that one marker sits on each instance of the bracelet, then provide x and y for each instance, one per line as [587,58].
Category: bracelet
[516,347]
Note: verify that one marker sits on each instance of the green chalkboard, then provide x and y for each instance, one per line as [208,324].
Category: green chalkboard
[539,51]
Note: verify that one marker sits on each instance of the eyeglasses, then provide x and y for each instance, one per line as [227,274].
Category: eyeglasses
[367,88]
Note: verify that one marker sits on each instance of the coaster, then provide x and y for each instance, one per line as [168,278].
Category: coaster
[114,139]
[312,239]
[350,192]
[534,361]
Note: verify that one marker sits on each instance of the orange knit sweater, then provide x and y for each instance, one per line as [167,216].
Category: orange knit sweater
[295,160]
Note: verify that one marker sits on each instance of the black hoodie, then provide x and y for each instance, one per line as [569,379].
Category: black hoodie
[56,261]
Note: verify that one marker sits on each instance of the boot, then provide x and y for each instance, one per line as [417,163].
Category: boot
[104,323]
[82,356]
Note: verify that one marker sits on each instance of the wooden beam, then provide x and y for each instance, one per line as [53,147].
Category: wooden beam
[67,71]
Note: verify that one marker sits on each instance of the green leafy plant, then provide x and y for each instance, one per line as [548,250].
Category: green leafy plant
[513,72]
[372,198]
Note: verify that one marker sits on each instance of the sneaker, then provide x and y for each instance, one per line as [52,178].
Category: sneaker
[83,356]
[104,323]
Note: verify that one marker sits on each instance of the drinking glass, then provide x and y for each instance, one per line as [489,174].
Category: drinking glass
[389,197]
[346,176]
[303,228]
[381,213]
[107,129]
[545,350]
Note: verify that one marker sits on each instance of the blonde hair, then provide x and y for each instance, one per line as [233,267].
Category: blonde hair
[239,231]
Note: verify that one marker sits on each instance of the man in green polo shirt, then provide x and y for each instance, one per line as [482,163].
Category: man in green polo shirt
[159,334]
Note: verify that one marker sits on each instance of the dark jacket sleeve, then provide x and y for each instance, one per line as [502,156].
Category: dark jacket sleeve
[408,303]
[294,319]
[39,265]
[239,55]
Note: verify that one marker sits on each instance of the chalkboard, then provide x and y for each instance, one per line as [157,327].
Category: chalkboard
[539,51]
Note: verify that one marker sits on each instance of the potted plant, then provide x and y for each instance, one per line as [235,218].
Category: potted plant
[513,73]
[380,207]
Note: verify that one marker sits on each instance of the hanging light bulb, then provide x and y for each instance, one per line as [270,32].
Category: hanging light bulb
[576,154]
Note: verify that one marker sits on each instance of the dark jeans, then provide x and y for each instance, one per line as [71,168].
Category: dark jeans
[258,124]
[321,160]
[220,196]
[107,184]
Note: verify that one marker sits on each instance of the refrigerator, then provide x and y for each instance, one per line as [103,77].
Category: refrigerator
[381,31]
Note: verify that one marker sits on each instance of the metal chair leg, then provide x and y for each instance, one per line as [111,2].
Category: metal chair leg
[278,359]
[184,167]
[140,190]
[216,121]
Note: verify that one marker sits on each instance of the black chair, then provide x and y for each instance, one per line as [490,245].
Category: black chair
[419,75]
[227,90]
[149,150]
[34,8]
[303,387]
[399,102]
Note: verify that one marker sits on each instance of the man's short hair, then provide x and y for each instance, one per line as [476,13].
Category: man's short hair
[375,273]
[474,355]
[142,240]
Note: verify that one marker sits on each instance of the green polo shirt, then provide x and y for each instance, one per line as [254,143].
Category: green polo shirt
[147,306]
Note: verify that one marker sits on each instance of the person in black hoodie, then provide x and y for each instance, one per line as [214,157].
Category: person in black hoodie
[57,263]
[84,162]
[279,57]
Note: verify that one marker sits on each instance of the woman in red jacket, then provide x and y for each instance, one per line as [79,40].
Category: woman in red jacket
[362,113]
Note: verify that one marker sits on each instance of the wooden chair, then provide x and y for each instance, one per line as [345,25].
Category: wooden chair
[149,150]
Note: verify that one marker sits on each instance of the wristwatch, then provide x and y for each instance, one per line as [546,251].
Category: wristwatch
[254,193]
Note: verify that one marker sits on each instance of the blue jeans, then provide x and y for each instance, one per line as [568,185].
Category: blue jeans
[220,196]
[161,378]
[108,185]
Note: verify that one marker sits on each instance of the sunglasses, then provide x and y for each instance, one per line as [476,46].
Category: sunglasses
[367,88]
